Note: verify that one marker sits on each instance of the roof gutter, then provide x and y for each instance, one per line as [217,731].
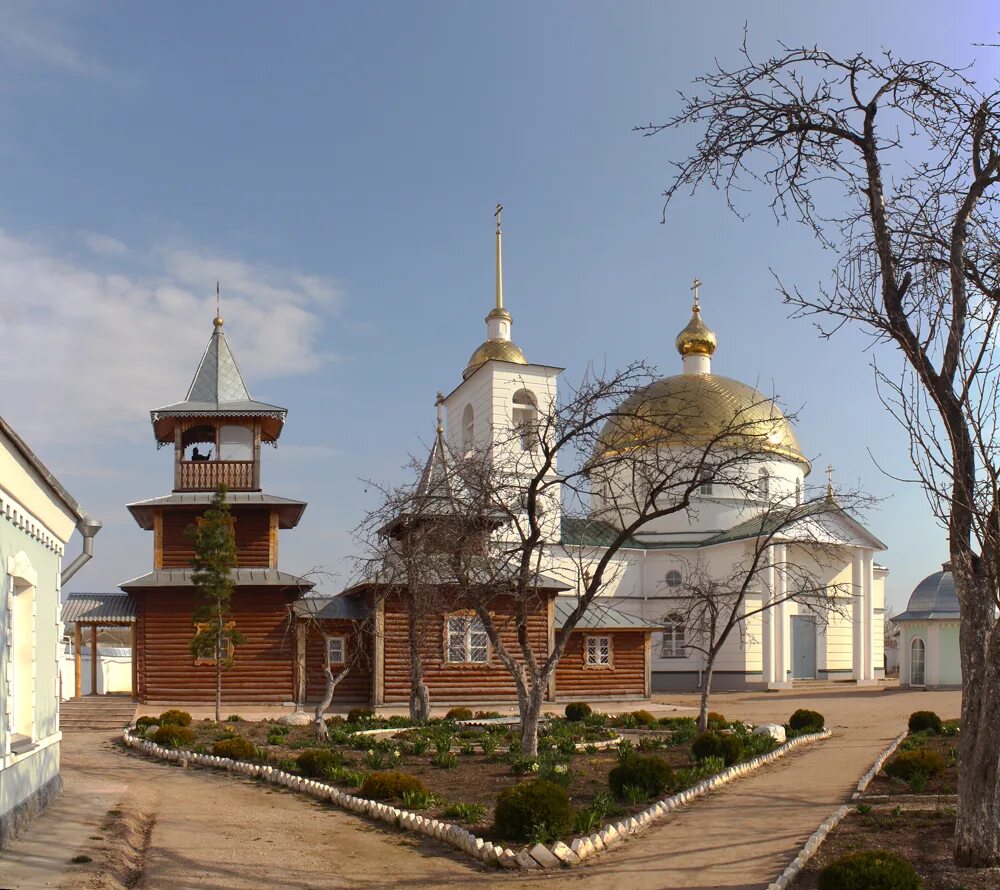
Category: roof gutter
[88,528]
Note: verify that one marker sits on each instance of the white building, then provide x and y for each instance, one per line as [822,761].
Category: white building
[501,389]
[37,519]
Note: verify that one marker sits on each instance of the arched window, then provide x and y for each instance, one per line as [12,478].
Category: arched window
[673,578]
[763,484]
[525,415]
[672,645]
[798,491]
[705,483]
[917,652]
[468,429]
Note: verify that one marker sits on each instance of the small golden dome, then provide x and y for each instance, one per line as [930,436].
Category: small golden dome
[696,338]
[499,350]
[697,409]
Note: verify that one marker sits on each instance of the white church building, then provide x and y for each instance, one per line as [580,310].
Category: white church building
[501,390]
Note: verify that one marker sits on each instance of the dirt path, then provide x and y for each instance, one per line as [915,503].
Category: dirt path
[212,831]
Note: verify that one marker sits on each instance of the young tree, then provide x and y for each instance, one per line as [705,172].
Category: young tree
[798,544]
[216,637]
[608,456]
[913,147]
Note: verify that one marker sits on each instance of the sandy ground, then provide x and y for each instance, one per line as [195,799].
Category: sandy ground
[198,829]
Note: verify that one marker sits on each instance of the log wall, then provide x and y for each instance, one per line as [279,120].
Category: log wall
[454,682]
[626,676]
[252,530]
[356,687]
[262,671]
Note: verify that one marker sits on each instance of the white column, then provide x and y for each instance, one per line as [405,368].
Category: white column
[869,579]
[781,630]
[767,625]
[857,617]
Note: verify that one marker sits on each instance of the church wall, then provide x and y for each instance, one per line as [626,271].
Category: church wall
[625,677]
[262,671]
[356,687]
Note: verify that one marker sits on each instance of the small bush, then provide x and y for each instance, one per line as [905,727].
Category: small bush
[644,718]
[234,718]
[359,715]
[923,760]
[172,735]
[869,870]
[925,721]
[444,760]
[950,727]
[577,711]
[237,748]
[715,744]
[804,720]
[318,762]
[533,811]
[488,715]
[465,812]
[173,717]
[651,774]
[717,720]
[390,785]
[459,714]
[144,722]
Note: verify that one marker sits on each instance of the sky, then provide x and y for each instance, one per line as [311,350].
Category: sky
[335,166]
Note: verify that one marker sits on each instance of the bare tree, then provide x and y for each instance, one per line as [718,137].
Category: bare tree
[913,148]
[714,605]
[606,455]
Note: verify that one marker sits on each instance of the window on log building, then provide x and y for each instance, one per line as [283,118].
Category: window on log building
[598,651]
[337,647]
[466,640]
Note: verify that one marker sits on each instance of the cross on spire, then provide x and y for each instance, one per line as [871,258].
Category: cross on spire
[439,401]
[497,213]
[218,306]
[499,285]
[694,286]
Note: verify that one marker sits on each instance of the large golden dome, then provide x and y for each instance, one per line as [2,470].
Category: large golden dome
[694,409]
[501,350]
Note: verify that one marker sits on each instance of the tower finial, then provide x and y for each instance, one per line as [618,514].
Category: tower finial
[694,286]
[439,401]
[218,306]
[829,483]
[499,210]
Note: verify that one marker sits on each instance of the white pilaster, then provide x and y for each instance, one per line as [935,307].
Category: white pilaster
[869,614]
[781,629]
[767,626]
[857,617]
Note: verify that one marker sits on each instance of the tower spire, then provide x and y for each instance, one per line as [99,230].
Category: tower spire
[218,307]
[439,402]
[499,210]
[830,499]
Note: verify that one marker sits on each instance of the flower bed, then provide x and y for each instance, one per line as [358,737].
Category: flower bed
[924,763]
[431,776]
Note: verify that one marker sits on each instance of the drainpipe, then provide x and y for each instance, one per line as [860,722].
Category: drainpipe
[88,528]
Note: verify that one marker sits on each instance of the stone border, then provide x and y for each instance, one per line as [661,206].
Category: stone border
[816,839]
[539,856]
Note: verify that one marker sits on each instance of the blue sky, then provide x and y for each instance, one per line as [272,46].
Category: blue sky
[335,165]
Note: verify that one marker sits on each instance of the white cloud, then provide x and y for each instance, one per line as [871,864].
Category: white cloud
[90,350]
[103,245]
[29,37]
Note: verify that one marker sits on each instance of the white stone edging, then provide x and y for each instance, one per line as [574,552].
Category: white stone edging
[538,856]
[816,839]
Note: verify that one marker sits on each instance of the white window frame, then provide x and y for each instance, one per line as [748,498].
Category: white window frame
[467,634]
[672,644]
[342,641]
[597,651]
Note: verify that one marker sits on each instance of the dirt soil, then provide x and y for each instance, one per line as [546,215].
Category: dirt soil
[947,783]
[924,837]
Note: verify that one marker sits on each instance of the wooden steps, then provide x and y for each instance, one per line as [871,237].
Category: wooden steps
[96,712]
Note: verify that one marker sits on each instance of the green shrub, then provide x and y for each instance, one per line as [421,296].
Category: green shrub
[717,720]
[951,727]
[143,723]
[869,870]
[390,785]
[717,744]
[924,721]
[172,735]
[459,714]
[173,717]
[444,760]
[234,718]
[923,760]
[533,811]
[318,762]
[644,718]
[237,748]
[464,812]
[360,715]
[577,711]
[488,715]
[652,774]
[804,720]
[417,800]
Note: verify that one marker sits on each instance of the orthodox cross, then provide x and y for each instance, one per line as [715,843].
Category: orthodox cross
[497,215]
[694,286]
[439,401]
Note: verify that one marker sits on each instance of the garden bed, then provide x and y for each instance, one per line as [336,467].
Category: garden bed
[924,837]
[943,744]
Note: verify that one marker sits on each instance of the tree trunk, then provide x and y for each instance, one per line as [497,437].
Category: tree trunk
[531,712]
[977,824]
[218,676]
[420,695]
[319,720]
[706,691]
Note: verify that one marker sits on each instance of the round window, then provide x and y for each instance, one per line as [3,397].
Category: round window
[673,578]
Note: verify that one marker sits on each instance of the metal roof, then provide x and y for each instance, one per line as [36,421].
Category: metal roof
[98,607]
[396,575]
[932,598]
[242,577]
[351,608]
[289,511]
[600,615]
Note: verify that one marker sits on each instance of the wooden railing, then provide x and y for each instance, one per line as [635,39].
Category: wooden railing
[206,475]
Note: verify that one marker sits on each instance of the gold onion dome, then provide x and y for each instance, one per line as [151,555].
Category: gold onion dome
[697,338]
[499,350]
[698,409]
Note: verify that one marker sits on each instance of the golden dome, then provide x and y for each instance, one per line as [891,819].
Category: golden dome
[696,338]
[695,409]
[499,350]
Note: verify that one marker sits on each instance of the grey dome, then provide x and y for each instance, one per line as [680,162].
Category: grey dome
[934,597]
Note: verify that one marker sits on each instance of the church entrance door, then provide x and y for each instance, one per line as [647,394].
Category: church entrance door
[803,647]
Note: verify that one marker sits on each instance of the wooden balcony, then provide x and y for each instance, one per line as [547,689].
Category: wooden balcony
[207,475]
